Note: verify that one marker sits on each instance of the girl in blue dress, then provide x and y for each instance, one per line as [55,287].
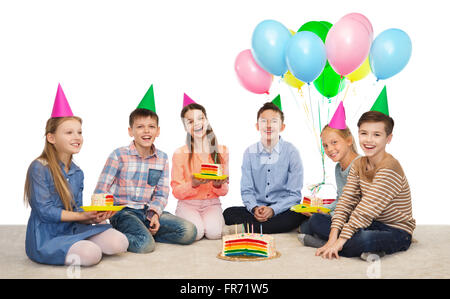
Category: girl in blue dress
[58,231]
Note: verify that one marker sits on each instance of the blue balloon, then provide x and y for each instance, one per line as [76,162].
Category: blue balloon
[269,42]
[306,56]
[389,53]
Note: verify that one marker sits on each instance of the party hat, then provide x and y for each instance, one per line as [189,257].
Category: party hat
[338,119]
[381,104]
[148,101]
[277,102]
[187,100]
[61,107]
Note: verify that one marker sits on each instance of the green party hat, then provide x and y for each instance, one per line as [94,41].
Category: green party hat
[381,104]
[277,102]
[148,101]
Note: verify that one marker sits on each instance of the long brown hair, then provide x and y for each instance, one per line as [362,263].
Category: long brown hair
[214,145]
[49,157]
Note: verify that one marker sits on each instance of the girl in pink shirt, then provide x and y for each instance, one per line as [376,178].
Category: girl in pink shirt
[198,199]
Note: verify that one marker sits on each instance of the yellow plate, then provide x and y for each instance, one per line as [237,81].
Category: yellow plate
[308,209]
[239,258]
[210,177]
[102,208]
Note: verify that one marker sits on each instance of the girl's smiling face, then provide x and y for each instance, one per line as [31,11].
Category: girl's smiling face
[335,146]
[373,138]
[67,138]
[195,123]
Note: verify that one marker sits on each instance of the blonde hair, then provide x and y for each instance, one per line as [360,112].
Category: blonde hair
[344,133]
[49,157]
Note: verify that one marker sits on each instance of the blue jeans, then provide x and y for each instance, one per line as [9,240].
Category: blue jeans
[378,237]
[134,224]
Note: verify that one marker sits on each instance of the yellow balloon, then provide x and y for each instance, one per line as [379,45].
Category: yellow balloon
[292,32]
[292,81]
[360,72]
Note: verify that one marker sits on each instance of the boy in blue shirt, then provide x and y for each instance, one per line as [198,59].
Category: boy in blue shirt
[272,178]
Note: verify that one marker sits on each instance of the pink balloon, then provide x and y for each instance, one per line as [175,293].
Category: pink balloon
[361,18]
[251,75]
[348,44]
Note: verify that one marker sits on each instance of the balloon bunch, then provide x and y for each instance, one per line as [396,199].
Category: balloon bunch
[329,56]
[322,53]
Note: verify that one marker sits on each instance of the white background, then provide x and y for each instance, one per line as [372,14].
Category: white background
[106,54]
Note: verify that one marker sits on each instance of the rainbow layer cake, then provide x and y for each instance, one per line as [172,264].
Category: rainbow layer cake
[211,169]
[102,199]
[246,244]
[316,201]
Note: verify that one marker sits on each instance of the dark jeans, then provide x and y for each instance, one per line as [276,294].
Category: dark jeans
[134,224]
[283,222]
[378,237]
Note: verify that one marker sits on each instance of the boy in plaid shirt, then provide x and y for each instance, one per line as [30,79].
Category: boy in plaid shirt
[138,177]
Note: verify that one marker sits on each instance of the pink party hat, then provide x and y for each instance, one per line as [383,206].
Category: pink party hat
[61,107]
[338,119]
[187,100]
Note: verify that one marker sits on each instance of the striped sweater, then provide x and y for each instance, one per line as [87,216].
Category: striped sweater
[381,194]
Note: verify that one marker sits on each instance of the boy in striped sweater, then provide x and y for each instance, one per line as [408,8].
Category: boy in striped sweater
[374,213]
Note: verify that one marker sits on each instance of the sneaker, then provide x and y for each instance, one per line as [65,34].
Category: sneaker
[372,256]
[301,238]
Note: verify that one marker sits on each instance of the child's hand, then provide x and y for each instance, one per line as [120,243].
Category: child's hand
[88,217]
[102,216]
[219,183]
[331,249]
[154,224]
[197,182]
[307,214]
[263,213]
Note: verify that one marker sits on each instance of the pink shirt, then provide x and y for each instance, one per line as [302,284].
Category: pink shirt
[181,181]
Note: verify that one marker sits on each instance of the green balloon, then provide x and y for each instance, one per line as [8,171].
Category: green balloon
[328,24]
[315,27]
[329,82]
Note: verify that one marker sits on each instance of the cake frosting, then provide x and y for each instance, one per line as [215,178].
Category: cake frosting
[102,199]
[248,244]
[211,169]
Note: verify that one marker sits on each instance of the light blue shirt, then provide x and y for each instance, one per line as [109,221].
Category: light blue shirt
[273,179]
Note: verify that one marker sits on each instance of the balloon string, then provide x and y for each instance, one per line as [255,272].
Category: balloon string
[339,88]
[307,120]
[312,128]
[310,105]
[305,108]
[364,101]
[328,115]
[346,90]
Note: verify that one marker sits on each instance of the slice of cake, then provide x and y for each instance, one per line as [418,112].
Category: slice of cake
[246,244]
[314,201]
[102,199]
[211,169]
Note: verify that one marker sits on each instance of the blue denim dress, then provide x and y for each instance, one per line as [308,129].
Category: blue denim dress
[48,239]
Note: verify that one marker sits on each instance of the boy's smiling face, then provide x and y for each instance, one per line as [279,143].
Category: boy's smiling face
[270,125]
[373,139]
[144,131]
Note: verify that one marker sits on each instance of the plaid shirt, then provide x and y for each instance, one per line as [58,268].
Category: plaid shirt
[135,181]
